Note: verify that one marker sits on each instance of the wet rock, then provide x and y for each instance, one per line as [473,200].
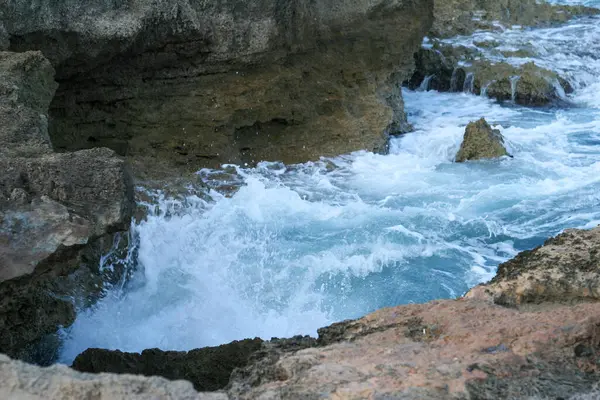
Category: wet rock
[207,368]
[481,142]
[566,269]
[192,83]
[462,17]
[527,85]
[24,381]
[58,212]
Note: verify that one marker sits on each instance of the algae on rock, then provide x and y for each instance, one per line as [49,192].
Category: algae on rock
[480,142]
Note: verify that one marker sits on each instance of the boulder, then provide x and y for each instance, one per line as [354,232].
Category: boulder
[59,213]
[181,85]
[566,269]
[481,142]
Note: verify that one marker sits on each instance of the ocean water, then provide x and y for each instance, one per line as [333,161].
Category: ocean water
[299,247]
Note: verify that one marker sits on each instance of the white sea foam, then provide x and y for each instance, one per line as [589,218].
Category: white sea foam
[298,247]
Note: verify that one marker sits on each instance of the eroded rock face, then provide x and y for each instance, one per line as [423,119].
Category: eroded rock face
[528,84]
[481,142]
[195,83]
[58,212]
[566,269]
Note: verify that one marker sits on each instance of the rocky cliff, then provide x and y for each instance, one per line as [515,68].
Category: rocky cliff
[58,212]
[191,83]
[532,332]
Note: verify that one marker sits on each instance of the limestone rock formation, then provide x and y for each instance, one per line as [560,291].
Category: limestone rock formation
[207,368]
[20,381]
[194,83]
[461,17]
[480,142]
[457,69]
[58,212]
[469,348]
[566,269]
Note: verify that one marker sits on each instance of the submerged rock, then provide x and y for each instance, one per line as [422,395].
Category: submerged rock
[180,85]
[58,212]
[480,142]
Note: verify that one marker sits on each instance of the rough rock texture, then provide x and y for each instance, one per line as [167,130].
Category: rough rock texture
[527,85]
[58,212]
[468,348]
[566,269]
[208,368]
[460,349]
[196,83]
[20,381]
[461,17]
[480,142]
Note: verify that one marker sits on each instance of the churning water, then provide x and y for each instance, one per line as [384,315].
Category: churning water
[299,247]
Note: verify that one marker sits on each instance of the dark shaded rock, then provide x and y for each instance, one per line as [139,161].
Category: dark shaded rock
[188,83]
[58,213]
[207,368]
[480,142]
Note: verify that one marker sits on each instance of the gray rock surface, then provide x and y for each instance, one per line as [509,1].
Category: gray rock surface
[20,381]
[193,83]
[58,212]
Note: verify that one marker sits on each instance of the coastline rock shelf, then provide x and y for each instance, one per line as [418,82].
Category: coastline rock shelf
[188,84]
[104,101]
[544,345]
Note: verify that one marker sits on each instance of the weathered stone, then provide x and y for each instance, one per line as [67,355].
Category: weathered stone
[461,17]
[194,83]
[480,142]
[58,212]
[566,269]
[207,368]
[20,381]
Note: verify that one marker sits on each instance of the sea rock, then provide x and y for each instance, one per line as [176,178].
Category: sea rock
[58,212]
[207,368]
[20,381]
[469,348]
[480,142]
[528,84]
[462,17]
[179,85]
[448,67]
[566,269]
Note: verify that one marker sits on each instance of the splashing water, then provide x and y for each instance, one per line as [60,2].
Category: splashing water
[299,247]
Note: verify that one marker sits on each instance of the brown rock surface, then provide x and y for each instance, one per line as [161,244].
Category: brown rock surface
[461,17]
[58,212]
[566,269]
[481,142]
[195,83]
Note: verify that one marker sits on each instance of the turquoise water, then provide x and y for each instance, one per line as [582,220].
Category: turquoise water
[299,247]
